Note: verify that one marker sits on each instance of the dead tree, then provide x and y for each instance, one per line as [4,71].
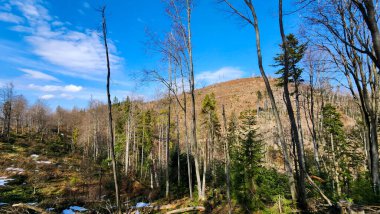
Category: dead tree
[110,125]
[6,108]
[352,46]
[254,23]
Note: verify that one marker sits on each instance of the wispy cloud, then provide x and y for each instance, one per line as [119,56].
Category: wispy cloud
[78,53]
[47,96]
[9,17]
[53,88]
[221,75]
[38,75]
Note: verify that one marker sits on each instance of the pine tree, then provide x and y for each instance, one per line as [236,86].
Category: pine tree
[296,52]
[246,157]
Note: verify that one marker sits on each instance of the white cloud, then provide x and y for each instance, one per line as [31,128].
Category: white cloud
[78,53]
[74,50]
[221,75]
[54,88]
[21,29]
[66,96]
[47,96]
[38,75]
[72,88]
[9,17]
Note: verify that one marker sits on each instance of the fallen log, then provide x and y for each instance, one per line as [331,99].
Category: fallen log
[164,207]
[319,190]
[30,207]
[187,209]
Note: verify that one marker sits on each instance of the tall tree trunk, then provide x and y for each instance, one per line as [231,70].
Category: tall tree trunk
[312,117]
[178,151]
[114,167]
[187,137]
[193,113]
[227,157]
[299,122]
[284,147]
[168,133]
[374,149]
[128,136]
[295,137]
[335,163]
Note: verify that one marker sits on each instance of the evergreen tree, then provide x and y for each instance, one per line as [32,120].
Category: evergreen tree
[210,118]
[213,127]
[296,52]
[335,147]
[246,158]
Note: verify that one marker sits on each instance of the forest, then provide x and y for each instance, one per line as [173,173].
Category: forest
[304,140]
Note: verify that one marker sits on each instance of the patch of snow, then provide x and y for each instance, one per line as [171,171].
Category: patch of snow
[141,204]
[50,209]
[4,180]
[44,162]
[34,156]
[3,204]
[15,170]
[77,208]
[67,211]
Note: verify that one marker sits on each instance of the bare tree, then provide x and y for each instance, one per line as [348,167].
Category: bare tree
[6,108]
[19,109]
[39,117]
[110,124]
[168,129]
[59,113]
[352,45]
[227,159]
[254,23]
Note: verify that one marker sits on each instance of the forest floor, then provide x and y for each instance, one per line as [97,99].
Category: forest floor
[48,175]
[43,175]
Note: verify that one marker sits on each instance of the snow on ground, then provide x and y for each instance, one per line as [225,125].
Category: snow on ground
[74,209]
[34,156]
[43,162]
[79,209]
[4,180]
[15,170]
[68,211]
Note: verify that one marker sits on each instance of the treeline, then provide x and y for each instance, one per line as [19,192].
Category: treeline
[178,146]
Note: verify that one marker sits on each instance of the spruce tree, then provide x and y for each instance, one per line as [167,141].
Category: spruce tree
[246,157]
[335,147]
[296,52]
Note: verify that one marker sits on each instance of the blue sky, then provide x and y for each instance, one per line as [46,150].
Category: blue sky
[52,50]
